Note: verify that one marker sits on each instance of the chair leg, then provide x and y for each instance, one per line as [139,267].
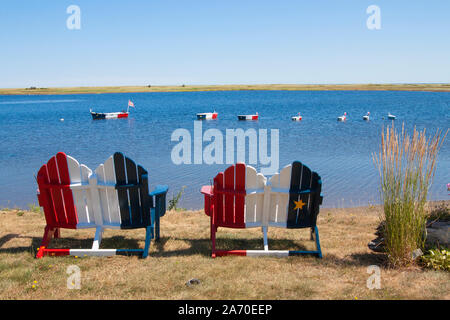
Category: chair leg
[97,238]
[266,242]
[148,238]
[45,241]
[318,242]
[57,233]
[157,220]
[213,240]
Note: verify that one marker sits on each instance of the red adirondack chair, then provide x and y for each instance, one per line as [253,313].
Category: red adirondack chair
[114,196]
[241,198]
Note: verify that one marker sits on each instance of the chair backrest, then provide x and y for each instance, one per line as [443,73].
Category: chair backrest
[238,196]
[244,198]
[55,193]
[116,196]
[134,202]
[295,197]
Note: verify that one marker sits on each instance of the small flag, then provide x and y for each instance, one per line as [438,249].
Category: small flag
[130,103]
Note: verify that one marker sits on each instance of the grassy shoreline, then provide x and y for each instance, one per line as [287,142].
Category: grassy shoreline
[188,88]
[184,253]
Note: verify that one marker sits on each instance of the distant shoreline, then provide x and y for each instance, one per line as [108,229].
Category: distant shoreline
[193,88]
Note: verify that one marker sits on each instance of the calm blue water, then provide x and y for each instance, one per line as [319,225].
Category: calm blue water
[30,133]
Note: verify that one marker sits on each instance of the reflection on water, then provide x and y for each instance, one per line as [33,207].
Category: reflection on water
[30,132]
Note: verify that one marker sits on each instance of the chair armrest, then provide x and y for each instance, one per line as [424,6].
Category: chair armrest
[160,189]
[160,199]
[209,203]
[207,191]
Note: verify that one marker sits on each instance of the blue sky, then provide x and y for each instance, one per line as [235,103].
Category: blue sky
[167,42]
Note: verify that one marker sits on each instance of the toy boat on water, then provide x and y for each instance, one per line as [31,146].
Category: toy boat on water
[343,118]
[391,116]
[112,115]
[108,115]
[367,116]
[248,116]
[207,116]
[297,117]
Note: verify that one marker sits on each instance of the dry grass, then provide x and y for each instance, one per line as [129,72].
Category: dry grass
[184,253]
[444,87]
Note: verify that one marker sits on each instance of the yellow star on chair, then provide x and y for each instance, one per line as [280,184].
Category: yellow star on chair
[299,204]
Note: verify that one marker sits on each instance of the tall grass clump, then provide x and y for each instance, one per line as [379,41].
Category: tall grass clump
[406,164]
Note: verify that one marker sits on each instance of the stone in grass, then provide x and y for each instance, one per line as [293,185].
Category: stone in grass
[192,282]
[416,254]
[376,245]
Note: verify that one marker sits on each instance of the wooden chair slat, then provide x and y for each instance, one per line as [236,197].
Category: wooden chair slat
[85,174]
[56,193]
[316,200]
[79,196]
[136,216]
[45,197]
[305,183]
[283,199]
[218,217]
[239,199]
[229,198]
[296,176]
[102,192]
[261,182]
[146,201]
[111,194]
[250,199]
[119,167]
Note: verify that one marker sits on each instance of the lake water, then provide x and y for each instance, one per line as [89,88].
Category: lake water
[31,132]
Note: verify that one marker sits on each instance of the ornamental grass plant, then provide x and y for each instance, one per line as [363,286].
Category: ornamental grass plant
[406,165]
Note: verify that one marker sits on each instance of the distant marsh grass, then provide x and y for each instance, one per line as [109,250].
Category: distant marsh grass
[406,166]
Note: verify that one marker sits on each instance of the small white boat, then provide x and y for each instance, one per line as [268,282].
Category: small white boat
[391,116]
[207,116]
[248,116]
[367,116]
[297,117]
[342,118]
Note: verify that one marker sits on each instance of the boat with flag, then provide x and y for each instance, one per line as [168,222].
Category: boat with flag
[207,116]
[248,116]
[112,115]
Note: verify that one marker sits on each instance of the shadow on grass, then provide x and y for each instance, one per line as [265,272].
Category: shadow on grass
[203,246]
[115,242]
[196,246]
[356,259]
